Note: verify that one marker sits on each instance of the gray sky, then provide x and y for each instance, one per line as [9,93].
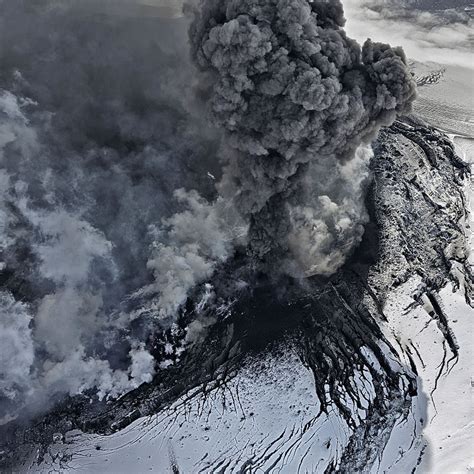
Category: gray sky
[423,36]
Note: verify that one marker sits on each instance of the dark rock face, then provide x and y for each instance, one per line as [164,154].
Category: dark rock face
[418,173]
[416,206]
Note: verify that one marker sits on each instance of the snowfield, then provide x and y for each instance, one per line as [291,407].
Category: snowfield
[265,417]
[446,381]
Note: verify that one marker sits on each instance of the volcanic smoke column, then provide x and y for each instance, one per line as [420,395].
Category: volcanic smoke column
[299,102]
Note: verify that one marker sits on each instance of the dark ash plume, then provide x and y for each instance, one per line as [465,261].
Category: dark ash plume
[296,98]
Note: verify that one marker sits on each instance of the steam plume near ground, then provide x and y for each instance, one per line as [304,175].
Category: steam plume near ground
[109,215]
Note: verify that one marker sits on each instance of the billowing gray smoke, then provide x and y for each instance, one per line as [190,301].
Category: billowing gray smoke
[97,130]
[296,99]
[109,212]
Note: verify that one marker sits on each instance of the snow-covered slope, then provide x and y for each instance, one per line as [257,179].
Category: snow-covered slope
[435,334]
[445,97]
[264,416]
[445,378]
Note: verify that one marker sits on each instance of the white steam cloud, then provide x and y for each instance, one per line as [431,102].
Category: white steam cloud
[188,247]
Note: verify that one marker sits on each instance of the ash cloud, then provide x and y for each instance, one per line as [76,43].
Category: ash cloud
[296,98]
[110,211]
[98,128]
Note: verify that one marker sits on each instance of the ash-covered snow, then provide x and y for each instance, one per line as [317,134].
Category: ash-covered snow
[438,436]
[265,417]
